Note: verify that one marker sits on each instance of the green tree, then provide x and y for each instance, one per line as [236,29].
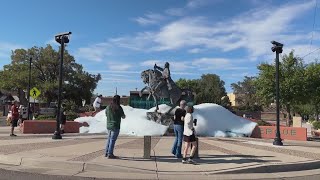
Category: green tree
[292,87]
[191,84]
[77,85]
[211,89]
[246,91]
[208,89]
[312,79]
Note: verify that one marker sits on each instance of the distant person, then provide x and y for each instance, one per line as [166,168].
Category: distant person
[63,117]
[189,137]
[14,117]
[114,113]
[178,125]
[97,103]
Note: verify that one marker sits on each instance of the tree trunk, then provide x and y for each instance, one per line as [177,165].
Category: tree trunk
[22,97]
[289,117]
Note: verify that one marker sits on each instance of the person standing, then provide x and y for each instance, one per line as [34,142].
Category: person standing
[114,113]
[97,103]
[189,136]
[63,117]
[15,117]
[178,125]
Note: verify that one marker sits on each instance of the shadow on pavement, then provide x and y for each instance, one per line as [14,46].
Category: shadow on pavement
[278,168]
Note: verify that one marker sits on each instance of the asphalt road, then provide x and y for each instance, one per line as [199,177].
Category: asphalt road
[17,175]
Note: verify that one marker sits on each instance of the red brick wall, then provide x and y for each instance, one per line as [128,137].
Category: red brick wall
[47,126]
[289,133]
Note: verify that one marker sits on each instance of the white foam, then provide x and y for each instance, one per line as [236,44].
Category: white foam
[213,120]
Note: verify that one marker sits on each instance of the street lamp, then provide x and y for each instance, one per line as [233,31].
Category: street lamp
[61,38]
[28,93]
[277,47]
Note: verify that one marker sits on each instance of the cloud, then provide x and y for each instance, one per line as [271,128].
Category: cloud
[118,66]
[251,31]
[6,48]
[149,19]
[114,71]
[176,65]
[96,52]
[195,50]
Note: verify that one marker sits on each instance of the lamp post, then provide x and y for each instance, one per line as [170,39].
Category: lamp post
[28,113]
[61,38]
[277,47]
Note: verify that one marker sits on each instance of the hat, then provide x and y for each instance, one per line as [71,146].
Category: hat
[190,104]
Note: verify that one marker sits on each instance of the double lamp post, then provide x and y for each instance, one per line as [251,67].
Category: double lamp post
[277,47]
[62,39]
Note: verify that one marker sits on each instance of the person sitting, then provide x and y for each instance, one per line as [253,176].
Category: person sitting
[165,75]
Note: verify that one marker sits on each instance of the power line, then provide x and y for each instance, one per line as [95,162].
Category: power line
[311,53]
[314,22]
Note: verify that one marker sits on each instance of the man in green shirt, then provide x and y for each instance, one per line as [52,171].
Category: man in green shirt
[114,113]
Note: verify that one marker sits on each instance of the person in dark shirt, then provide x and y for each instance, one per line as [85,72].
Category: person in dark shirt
[63,117]
[114,113]
[178,129]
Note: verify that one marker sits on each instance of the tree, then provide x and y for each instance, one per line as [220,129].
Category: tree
[312,79]
[246,91]
[208,89]
[45,71]
[212,89]
[291,77]
[191,84]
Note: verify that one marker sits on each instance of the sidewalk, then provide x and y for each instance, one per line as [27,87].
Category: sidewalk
[220,158]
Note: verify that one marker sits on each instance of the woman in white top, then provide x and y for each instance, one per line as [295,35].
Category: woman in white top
[189,136]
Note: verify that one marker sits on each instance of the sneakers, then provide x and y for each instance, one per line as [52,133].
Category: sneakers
[12,135]
[189,161]
[111,156]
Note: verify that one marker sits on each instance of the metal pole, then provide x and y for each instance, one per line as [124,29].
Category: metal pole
[277,141]
[57,134]
[29,84]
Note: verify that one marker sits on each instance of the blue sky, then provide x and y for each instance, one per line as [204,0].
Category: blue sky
[119,39]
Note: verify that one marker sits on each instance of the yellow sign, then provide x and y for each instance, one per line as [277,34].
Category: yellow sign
[34,92]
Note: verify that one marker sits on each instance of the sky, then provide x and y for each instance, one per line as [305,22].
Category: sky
[121,38]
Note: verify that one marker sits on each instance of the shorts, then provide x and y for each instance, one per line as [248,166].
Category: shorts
[14,122]
[191,138]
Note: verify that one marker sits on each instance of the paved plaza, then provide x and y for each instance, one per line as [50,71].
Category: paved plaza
[220,158]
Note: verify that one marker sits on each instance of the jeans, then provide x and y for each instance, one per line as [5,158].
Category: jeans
[111,141]
[176,148]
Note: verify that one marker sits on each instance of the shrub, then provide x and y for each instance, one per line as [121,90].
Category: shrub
[263,123]
[45,117]
[316,124]
[72,116]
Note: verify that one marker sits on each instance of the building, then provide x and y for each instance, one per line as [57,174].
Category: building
[234,99]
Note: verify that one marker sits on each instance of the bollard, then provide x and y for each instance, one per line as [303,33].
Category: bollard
[196,154]
[147,147]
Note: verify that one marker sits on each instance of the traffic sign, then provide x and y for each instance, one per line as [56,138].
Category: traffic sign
[34,92]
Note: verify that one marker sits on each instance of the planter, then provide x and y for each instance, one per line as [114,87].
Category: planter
[288,133]
[47,127]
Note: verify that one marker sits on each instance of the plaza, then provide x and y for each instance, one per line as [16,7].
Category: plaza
[82,155]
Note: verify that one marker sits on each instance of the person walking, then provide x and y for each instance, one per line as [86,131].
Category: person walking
[15,117]
[189,137]
[178,125]
[114,113]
